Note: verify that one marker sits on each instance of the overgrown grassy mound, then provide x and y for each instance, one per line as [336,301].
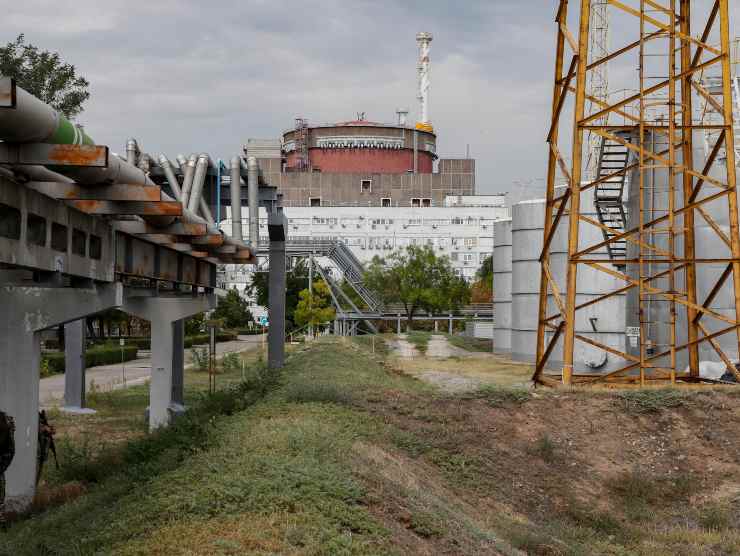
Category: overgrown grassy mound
[339,454]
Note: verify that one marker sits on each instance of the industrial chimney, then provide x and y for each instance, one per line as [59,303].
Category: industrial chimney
[424,40]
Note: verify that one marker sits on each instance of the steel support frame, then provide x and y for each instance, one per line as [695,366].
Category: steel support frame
[672,19]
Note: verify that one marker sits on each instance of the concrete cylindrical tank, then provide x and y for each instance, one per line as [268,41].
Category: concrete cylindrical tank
[502,286]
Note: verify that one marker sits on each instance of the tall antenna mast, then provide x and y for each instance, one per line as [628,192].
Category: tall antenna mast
[423,40]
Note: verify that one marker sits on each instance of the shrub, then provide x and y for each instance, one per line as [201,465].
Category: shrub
[231,362]
[53,363]
[200,358]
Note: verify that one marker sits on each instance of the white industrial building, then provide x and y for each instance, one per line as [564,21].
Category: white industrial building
[462,229]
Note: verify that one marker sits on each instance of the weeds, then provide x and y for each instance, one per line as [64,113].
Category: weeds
[717,517]
[420,340]
[651,401]
[200,358]
[642,492]
[498,396]
[545,448]
[231,362]
[316,392]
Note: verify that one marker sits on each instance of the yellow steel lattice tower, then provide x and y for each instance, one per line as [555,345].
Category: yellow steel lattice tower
[650,191]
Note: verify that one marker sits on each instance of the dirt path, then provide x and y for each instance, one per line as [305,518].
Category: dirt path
[456,370]
[130,373]
[440,348]
[403,348]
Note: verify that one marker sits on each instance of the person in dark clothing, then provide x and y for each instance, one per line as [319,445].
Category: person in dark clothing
[7,452]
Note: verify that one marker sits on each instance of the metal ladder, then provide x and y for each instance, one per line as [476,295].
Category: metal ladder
[609,194]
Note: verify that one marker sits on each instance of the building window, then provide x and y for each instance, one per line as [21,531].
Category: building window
[471,242]
[426,202]
[79,242]
[468,258]
[59,237]
[36,230]
[415,202]
[414,222]
[366,186]
[314,201]
[10,222]
[453,257]
[385,202]
[457,221]
[96,247]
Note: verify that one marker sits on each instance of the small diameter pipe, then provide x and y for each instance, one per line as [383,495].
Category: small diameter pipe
[236,199]
[201,167]
[253,171]
[131,150]
[182,160]
[169,173]
[187,181]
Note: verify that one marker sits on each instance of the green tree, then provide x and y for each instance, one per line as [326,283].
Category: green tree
[314,307]
[417,279]
[45,75]
[485,272]
[233,310]
[482,289]
[295,282]
[195,324]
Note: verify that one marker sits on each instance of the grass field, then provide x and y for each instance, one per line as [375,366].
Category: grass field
[341,453]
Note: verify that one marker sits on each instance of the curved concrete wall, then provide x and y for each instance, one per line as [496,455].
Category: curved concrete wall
[502,286]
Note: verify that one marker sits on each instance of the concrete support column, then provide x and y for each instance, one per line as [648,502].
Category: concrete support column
[276,309]
[178,364]
[26,311]
[436,325]
[20,355]
[450,327]
[74,367]
[164,313]
[160,384]
[398,326]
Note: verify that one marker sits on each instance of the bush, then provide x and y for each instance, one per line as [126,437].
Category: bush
[201,339]
[53,363]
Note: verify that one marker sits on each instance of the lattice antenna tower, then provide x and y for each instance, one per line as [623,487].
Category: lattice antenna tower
[598,79]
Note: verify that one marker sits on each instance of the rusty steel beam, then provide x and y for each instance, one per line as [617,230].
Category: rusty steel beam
[138,227]
[139,208]
[211,240]
[49,154]
[115,192]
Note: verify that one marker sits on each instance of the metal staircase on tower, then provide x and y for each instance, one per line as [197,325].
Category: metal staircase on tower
[609,194]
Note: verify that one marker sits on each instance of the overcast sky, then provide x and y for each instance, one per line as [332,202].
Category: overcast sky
[184,76]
